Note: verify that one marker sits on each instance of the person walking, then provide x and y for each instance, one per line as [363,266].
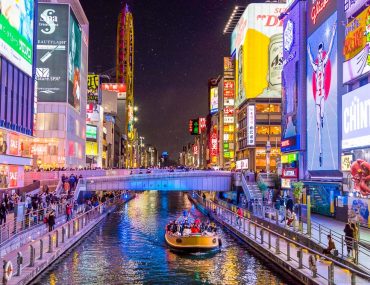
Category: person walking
[348,231]
[68,211]
[239,215]
[3,213]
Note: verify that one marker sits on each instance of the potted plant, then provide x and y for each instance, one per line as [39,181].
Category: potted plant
[297,190]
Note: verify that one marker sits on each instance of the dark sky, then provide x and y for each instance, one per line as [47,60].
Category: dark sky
[179,44]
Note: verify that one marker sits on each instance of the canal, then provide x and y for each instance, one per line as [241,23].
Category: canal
[129,248]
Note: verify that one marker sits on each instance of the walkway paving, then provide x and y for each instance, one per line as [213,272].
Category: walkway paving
[269,242]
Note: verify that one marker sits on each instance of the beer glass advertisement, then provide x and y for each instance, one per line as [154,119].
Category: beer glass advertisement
[74,65]
[259,34]
[16,32]
[52,46]
[322,112]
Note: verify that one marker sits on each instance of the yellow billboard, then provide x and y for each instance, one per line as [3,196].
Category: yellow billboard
[92,148]
[257,41]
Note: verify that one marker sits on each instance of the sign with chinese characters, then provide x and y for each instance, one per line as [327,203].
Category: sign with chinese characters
[229,102]
[346,161]
[93,89]
[251,133]
[228,67]
[195,149]
[356,49]
[228,120]
[214,143]
[229,89]
[202,125]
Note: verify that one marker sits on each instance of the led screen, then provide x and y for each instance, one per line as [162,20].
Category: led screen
[322,115]
[16,32]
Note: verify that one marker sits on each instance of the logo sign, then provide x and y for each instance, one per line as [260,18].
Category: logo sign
[16,33]
[251,135]
[229,111]
[290,173]
[52,53]
[352,6]
[319,11]
[356,48]
[289,36]
[356,118]
[346,161]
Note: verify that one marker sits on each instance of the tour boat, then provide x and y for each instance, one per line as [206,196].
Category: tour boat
[192,242]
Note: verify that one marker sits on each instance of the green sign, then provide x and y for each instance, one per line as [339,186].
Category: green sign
[16,33]
[227,154]
[91,132]
[226,146]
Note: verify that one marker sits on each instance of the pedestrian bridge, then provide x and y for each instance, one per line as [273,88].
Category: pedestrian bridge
[162,181]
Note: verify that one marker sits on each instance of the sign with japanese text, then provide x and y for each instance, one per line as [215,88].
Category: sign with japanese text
[251,120]
[93,89]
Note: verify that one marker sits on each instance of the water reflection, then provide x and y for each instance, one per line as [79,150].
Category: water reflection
[129,248]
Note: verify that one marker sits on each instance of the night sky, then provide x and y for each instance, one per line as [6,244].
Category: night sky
[179,44]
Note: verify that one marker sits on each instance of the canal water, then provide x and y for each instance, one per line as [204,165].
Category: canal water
[129,248]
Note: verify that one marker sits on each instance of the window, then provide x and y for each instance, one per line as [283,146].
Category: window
[47,122]
[266,108]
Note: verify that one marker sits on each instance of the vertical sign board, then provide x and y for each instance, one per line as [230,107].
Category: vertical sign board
[74,63]
[16,33]
[322,63]
[93,89]
[52,49]
[291,54]
[251,119]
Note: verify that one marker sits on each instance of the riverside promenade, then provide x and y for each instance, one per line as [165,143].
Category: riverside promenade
[22,265]
[286,253]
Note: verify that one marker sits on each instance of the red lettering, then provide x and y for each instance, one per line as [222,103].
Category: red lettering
[317,8]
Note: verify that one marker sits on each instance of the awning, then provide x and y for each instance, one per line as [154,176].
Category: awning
[325,175]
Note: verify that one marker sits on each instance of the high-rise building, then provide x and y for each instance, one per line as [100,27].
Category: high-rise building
[61,74]
[125,74]
[17,30]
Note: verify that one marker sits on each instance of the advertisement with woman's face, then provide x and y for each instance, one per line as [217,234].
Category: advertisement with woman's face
[74,66]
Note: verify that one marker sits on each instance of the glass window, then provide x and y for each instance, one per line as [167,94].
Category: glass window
[15,106]
[4,72]
[9,93]
[266,108]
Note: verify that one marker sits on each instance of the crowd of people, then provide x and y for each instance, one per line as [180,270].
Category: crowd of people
[69,183]
[188,226]
[7,206]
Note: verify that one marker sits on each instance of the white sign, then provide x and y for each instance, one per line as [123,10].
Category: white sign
[289,36]
[356,118]
[228,120]
[242,164]
[229,102]
[251,119]
[352,6]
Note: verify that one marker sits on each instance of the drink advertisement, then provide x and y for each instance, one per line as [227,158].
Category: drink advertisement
[74,65]
[16,33]
[322,112]
[356,48]
[52,49]
[258,46]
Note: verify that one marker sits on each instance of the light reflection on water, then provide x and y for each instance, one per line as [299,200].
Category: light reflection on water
[129,248]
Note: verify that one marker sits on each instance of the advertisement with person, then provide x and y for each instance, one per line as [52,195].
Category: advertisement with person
[52,48]
[93,89]
[257,43]
[214,100]
[358,211]
[322,114]
[356,48]
[74,63]
[355,118]
[16,32]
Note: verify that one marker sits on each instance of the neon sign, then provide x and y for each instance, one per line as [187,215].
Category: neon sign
[317,8]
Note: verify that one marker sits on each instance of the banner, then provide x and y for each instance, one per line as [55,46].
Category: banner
[52,47]
[93,89]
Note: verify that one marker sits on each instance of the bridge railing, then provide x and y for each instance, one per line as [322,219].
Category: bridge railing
[259,232]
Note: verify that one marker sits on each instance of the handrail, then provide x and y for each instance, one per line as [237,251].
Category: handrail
[359,273]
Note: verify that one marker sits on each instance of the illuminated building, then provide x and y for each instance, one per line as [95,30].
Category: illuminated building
[61,75]
[17,91]
[125,74]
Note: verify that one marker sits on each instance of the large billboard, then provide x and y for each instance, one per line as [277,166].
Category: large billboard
[318,11]
[93,89]
[257,43]
[356,118]
[290,77]
[16,32]
[322,114]
[74,65]
[52,47]
[356,49]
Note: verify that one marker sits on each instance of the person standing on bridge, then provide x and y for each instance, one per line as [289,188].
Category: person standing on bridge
[51,220]
[348,231]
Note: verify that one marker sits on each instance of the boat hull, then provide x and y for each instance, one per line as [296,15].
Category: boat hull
[192,243]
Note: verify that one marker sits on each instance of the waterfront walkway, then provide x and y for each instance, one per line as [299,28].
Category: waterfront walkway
[287,251]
